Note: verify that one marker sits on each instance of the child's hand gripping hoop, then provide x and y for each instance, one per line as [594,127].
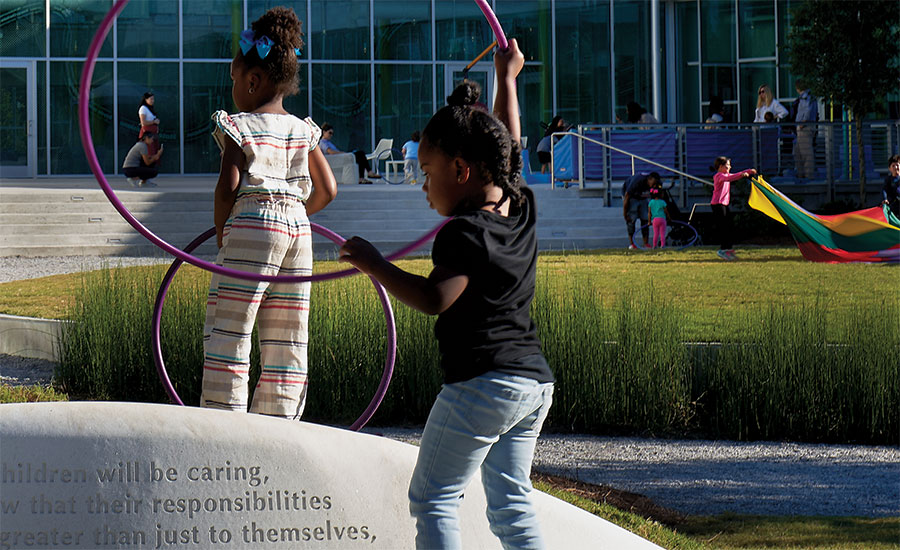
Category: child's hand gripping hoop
[185,256]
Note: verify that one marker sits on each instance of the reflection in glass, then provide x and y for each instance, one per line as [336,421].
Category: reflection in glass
[341,96]
[535,105]
[207,88]
[41,78]
[22,28]
[403,29]
[717,32]
[757,28]
[14,117]
[632,49]
[720,79]
[528,21]
[146,29]
[461,30]
[339,29]
[402,101]
[582,61]
[211,28]
[687,56]
[161,79]
[66,154]
[73,24]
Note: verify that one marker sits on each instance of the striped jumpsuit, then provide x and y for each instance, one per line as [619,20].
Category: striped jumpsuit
[267,232]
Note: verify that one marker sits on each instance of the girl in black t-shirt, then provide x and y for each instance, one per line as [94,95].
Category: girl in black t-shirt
[497,385]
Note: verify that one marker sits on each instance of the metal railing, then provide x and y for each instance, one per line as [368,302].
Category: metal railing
[785,153]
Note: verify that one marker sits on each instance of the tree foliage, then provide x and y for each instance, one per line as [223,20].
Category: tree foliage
[847,50]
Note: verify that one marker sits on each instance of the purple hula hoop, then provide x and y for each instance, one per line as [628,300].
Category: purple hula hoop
[185,256]
[88,144]
[502,43]
[389,361]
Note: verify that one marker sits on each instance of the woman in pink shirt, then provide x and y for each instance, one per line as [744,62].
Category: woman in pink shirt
[720,198]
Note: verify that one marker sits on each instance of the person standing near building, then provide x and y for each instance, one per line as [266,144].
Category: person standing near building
[410,153]
[766,103]
[891,188]
[720,200]
[806,114]
[149,120]
[635,193]
[273,176]
[545,145]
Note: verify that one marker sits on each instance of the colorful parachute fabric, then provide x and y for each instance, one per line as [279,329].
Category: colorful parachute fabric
[870,235]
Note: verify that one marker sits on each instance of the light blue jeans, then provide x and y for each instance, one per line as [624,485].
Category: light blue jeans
[492,422]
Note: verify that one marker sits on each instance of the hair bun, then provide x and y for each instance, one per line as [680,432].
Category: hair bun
[465,94]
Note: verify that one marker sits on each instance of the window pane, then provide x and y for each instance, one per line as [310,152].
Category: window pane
[211,28]
[402,101]
[529,22]
[207,88]
[298,105]
[66,153]
[403,29]
[148,28]
[340,29]
[717,31]
[22,28]
[41,78]
[73,24]
[534,104]
[14,116]
[461,31]
[341,97]
[582,61]
[754,75]
[687,56]
[721,80]
[162,80]
[757,28]
[632,48]
[255,9]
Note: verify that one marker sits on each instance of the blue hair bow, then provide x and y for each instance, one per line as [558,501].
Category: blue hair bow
[263,44]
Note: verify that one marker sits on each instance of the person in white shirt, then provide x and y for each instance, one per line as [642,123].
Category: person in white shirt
[766,103]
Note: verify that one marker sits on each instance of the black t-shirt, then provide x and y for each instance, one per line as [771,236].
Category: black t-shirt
[636,186]
[489,327]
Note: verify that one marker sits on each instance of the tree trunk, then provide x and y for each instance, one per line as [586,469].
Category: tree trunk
[861,161]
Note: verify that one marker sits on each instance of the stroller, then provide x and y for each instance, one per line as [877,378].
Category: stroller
[680,233]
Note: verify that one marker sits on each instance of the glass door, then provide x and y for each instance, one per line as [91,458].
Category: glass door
[482,73]
[18,143]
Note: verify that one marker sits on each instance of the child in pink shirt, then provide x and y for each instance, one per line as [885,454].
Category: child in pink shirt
[721,197]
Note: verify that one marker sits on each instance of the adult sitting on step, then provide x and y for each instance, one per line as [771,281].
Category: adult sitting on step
[330,149]
[140,166]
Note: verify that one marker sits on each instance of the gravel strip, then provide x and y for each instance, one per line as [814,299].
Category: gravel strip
[692,477]
[14,268]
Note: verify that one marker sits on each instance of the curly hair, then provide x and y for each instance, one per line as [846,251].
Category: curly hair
[479,138]
[283,27]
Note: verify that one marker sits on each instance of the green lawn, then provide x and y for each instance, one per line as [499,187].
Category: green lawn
[712,290]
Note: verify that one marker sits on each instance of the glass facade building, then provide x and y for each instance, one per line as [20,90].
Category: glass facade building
[372,68]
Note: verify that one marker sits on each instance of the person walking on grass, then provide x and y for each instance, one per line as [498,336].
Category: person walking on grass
[498,386]
[721,197]
[273,176]
[659,216]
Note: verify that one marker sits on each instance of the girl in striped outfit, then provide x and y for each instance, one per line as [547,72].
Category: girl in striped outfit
[272,177]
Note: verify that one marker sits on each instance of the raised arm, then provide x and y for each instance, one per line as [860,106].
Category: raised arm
[508,63]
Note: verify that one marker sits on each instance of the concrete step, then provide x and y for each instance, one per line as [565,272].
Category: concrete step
[73,218]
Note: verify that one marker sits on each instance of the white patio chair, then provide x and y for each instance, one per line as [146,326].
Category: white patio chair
[382,152]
